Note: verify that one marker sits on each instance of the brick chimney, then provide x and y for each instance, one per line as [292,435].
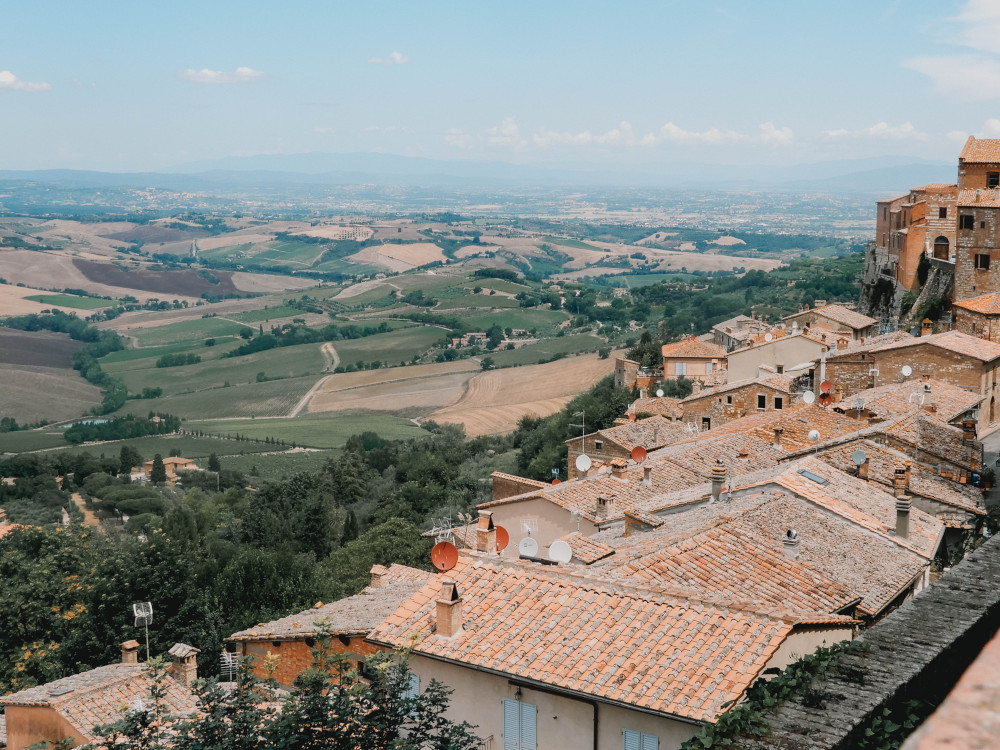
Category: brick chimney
[718,478]
[790,543]
[486,533]
[906,475]
[903,517]
[377,572]
[968,432]
[863,469]
[130,652]
[618,466]
[926,327]
[184,667]
[899,482]
[603,506]
[777,436]
[647,476]
[449,610]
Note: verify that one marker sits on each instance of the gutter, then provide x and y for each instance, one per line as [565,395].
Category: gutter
[552,691]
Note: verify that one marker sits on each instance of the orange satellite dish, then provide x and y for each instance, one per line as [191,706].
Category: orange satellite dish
[631,416]
[825,399]
[825,386]
[444,555]
[555,481]
[503,538]
[638,454]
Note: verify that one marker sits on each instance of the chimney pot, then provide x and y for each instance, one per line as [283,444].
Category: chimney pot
[486,533]
[777,436]
[863,470]
[899,482]
[377,572]
[790,544]
[130,652]
[647,475]
[618,466]
[449,610]
[903,517]
[718,479]
[184,668]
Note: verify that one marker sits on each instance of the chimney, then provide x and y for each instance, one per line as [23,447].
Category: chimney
[926,327]
[449,610]
[618,466]
[777,436]
[643,393]
[899,482]
[968,432]
[656,435]
[486,533]
[790,542]
[906,475]
[903,517]
[603,505]
[130,652]
[377,572]
[863,470]
[647,476]
[718,478]
[184,668]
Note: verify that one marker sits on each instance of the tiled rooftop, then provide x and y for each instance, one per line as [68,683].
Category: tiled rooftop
[981,150]
[987,198]
[692,347]
[652,432]
[795,424]
[894,399]
[353,615]
[871,343]
[99,696]
[585,549]
[953,341]
[664,406]
[778,382]
[986,304]
[838,314]
[616,642]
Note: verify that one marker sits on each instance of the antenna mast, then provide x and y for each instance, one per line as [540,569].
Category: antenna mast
[143,616]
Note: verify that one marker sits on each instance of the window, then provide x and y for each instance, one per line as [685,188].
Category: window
[413,689]
[598,444]
[633,740]
[729,400]
[761,401]
[943,212]
[982,225]
[708,367]
[992,179]
[781,369]
[779,402]
[680,369]
[706,423]
[519,731]
[983,261]
[966,221]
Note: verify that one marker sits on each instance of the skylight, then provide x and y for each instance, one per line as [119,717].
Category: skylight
[814,477]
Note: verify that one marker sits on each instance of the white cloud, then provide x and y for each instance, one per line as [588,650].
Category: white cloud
[971,76]
[240,75]
[881,131]
[394,58]
[459,138]
[323,130]
[771,135]
[387,129]
[982,31]
[507,134]
[10,81]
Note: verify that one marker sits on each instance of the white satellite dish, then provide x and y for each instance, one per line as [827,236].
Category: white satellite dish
[859,457]
[813,436]
[527,547]
[560,551]
[583,462]
[659,393]
[907,371]
[768,337]
[808,397]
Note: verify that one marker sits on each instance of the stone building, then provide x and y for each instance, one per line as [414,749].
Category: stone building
[920,222]
[617,442]
[714,407]
[694,359]
[977,261]
[979,316]
[835,319]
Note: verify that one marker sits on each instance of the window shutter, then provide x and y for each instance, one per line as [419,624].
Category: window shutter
[529,713]
[650,742]
[511,725]
[631,740]
[413,690]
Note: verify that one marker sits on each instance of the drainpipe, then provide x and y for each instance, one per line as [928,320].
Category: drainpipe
[539,689]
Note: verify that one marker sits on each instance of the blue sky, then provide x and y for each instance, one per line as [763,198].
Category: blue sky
[122,86]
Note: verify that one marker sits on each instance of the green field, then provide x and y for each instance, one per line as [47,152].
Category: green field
[501,285]
[142,359]
[189,446]
[202,328]
[30,440]
[263,315]
[543,350]
[224,253]
[272,399]
[316,432]
[276,466]
[392,347]
[339,265]
[292,253]
[71,300]
[572,243]
[520,318]
[477,301]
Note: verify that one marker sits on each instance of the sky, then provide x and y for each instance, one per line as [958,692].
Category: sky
[133,86]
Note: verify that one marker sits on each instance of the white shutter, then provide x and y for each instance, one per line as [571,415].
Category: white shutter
[529,713]
[650,742]
[413,689]
[511,725]
[631,740]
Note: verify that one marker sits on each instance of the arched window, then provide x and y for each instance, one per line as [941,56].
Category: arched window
[941,248]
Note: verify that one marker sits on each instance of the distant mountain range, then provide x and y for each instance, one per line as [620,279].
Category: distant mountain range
[888,175]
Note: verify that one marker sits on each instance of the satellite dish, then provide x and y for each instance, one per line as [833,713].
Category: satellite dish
[825,386]
[813,436]
[527,547]
[659,393]
[638,454]
[444,555]
[768,337]
[825,399]
[808,397]
[503,538]
[858,457]
[907,371]
[556,481]
[560,551]
[583,462]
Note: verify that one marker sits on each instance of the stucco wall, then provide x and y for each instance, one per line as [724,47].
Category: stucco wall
[786,351]
[553,521]
[27,725]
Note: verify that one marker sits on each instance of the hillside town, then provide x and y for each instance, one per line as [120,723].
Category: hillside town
[828,472]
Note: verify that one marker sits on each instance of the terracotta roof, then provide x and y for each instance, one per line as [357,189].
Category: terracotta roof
[652,432]
[953,341]
[871,343]
[795,423]
[985,304]
[838,314]
[664,406]
[100,696]
[774,381]
[987,198]
[933,186]
[981,150]
[353,615]
[740,453]
[893,399]
[585,549]
[616,642]
[692,347]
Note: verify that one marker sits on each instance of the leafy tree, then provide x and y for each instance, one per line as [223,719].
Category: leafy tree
[213,463]
[351,531]
[348,569]
[487,363]
[680,387]
[158,473]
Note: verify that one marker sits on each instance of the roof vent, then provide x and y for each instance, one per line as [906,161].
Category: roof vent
[790,543]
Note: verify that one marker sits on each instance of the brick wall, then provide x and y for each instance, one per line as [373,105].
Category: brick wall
[589,444]
[295,656]
[976,324]
[980,240]
[973,176]
[508,485]
[719,408]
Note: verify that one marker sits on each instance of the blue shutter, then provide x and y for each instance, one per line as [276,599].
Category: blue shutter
[511,725]
[631,740]
[529,713]
[650,742]
[413,689]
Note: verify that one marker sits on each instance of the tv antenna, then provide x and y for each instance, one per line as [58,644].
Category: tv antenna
[143,612]
[582,425]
